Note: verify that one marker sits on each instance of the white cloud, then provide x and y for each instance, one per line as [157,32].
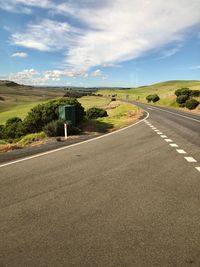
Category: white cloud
[97,73]
[111,65]
[113,32]
[49,35]
[195,67]
[24,6]
[20,54]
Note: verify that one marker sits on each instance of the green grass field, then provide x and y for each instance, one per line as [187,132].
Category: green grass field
[165,91]
[18,100]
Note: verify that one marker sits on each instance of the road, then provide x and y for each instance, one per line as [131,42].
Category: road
[131,198]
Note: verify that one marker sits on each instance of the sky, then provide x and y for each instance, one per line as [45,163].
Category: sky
[119,43]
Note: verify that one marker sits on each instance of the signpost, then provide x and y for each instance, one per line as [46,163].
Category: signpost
[65,127]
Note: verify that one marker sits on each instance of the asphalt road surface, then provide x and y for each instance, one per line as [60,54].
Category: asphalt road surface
[131,198]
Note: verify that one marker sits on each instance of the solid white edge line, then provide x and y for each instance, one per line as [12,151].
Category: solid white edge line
[190,159]
[177,114]
[76,144]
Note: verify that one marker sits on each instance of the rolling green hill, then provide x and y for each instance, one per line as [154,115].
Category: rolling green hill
[165,90]
[17,100]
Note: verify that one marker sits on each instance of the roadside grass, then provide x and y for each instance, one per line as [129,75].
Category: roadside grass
[30,139]
[120,115]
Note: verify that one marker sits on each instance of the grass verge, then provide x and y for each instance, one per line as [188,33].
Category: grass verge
[120,115]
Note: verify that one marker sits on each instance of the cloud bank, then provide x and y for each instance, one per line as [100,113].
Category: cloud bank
[109,32]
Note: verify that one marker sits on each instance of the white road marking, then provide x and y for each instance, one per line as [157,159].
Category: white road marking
[150,108]
[76,144]
[159,133]
[168,140]
[156,130]
[173,145]
[197,168]
[163,136]
[181,151]
[190,159]
[177,114]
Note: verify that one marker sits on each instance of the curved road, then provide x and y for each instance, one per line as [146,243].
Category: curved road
[131,198]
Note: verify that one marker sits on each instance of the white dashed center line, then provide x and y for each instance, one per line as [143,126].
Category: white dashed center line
[190,159]
[168,140]
[173,145]
[181,151]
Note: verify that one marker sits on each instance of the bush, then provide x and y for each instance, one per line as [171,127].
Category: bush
[42,114]
[1,131]
[191,103]
[94,113]
[183,91]
[56,128]
[195,93]
[153,98]
[182,99]
[13,128]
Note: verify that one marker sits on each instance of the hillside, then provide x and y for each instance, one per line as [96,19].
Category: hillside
[17,100]
[165,90]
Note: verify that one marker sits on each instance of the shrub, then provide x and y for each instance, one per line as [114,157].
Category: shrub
[13,128]
[153,98]
[191,103]
[195,93]
[94,113]
[56,128]
[183,91]
[148,98]
[182,99]
[43,114]
[1,131]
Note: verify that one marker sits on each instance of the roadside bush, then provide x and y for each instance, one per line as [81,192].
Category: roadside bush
[43,114]
[56,128]
[94,113]
[195,93]
[153,98]
[1,131]
[191,103]
[13,128]
[181,99]
[183,91]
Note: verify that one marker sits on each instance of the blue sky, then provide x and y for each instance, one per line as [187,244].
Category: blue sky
[99,43]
